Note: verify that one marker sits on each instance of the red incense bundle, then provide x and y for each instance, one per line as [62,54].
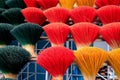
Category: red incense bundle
[34,15]
[31,3]
[56,60]
[45,4]
[83,14]
[57,14]
[111,34]
[109,14]
[101,3]
[84,33]
[57,33]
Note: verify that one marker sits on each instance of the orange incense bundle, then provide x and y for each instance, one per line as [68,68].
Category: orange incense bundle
[83,14]
[114,60]
[111,34]
[34,15]
[57,14]
[89,61]
[85,2]
[56,60]
[31,3]
[67,4]
[109,14]
[45,4]
[100,3]
[57,33]
[84,33]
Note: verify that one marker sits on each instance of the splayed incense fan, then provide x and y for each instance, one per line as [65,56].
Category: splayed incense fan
[67,4]
[89,61]
[12,60]
[109,14]
[56,60]
[45,4]
[90,3]
[84,33]
[31,3]
[114,60]
[34,15]
[101,3]
[57,33]
[5,36]
[57,14]
[28,34]
[83,14]
[111,34]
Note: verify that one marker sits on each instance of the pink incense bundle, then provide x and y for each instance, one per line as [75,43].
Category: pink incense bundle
[84,33]
[31,3]
[111,34]
[57,33]
[57,14]
[83,14]
[101,3]
[109,14]
[56,60]
[45,4]
[34,15]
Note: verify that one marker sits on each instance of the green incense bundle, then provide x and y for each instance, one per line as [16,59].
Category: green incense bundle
[5,35]
[15,3]
[12,60]
[14,15]
[28,34]
[2,18]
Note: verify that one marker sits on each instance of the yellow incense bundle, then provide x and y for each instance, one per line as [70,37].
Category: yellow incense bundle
[67,4]
[86,2]
[114,60]
[89,61]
